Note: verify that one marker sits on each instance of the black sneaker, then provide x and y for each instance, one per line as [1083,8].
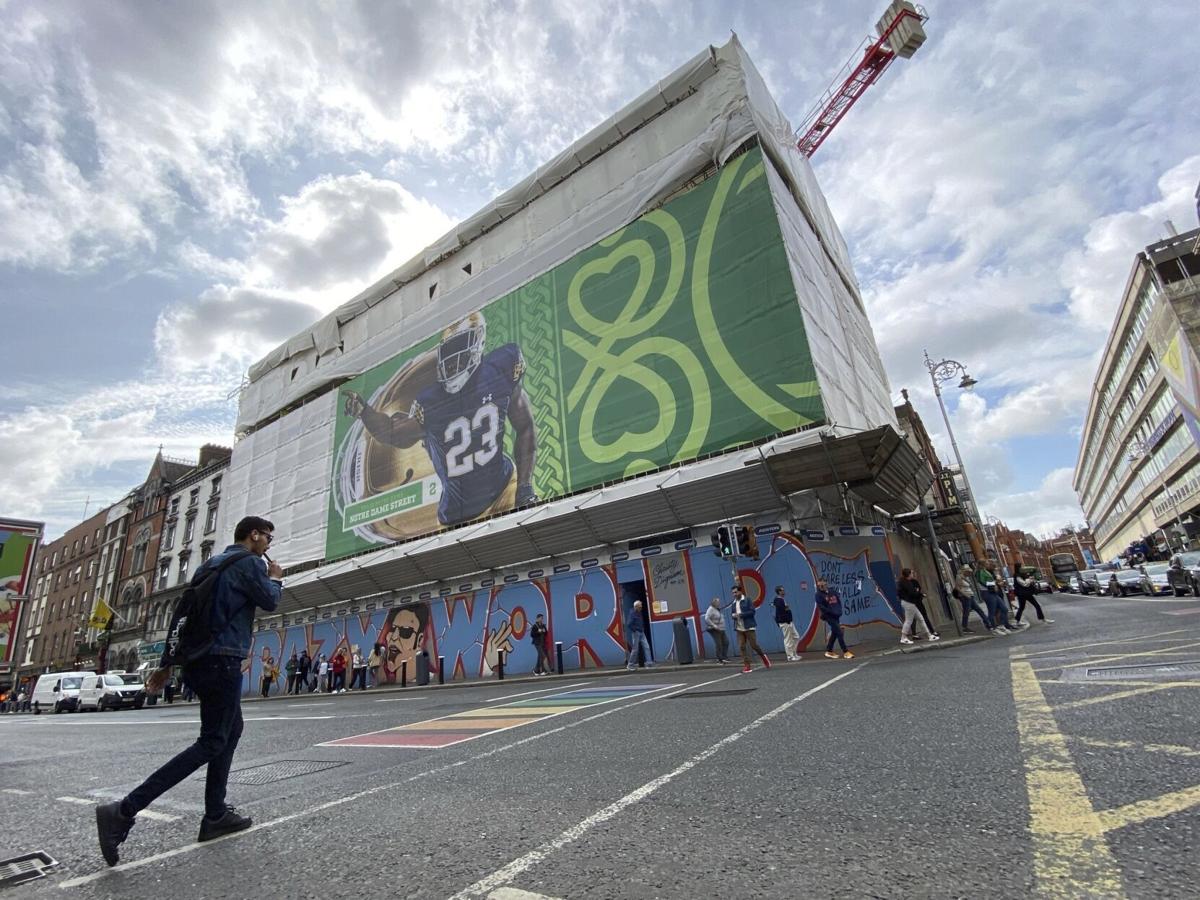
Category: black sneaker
[112,827]
[211,829]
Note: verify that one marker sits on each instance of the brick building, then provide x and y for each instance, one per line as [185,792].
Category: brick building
[62,598]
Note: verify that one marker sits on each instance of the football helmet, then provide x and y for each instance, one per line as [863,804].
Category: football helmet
[461,352]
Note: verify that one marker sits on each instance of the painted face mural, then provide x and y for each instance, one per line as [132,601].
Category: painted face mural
[403,637]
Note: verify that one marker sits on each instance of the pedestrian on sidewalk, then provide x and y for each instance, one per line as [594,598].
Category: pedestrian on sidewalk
[243,583]
[338,667]
[964,592]
[323,675]
[358,667]
[293,672]
[747,630]
[997,606]
[1026,587]
[829,605]
[303,672]
[635,637]
[268,674]
[910,592]
[374,661]
[783,618]
[714,624]
[539,634]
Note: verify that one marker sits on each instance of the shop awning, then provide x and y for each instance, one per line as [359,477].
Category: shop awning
[947,523]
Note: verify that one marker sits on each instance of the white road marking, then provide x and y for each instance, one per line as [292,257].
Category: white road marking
[521,864]
[17,791]
[319,703]
[509,893]
[381,788]
[145,813]
[397,699]
[560,687]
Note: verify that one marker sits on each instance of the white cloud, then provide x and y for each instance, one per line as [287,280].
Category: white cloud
[1044,510]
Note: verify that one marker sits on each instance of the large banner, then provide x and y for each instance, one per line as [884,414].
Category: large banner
[678,336]
[18,543]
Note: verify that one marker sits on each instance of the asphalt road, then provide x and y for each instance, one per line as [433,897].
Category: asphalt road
[1002,768]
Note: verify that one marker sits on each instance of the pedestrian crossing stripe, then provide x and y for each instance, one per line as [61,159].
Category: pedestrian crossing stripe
[445,731]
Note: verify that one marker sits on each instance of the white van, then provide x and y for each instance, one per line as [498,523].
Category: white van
[112,691]
[58,691]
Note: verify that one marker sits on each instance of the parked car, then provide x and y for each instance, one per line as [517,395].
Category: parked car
[58,691]
[1190,561]
[114,690]
[1156,579]
[1129,581]
[1092,581]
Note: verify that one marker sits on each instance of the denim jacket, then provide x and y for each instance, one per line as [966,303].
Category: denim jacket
[240,589]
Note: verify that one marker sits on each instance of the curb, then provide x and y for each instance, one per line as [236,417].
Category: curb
[939,645]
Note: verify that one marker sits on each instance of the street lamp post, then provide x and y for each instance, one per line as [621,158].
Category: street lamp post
[942,372]
[1139,450]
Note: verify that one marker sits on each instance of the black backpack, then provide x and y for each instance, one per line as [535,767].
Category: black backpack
[191,633]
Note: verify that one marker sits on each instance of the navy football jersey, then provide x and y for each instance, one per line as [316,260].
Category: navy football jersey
[464,434]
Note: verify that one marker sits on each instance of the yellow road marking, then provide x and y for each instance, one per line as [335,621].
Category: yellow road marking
[1119,695]
[1172,749]
[1145,810]
[1071,857]
[1124,682]
[1132,640]
[1107,659]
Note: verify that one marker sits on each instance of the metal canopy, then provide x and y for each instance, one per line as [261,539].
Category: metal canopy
[878,465]
[947,523]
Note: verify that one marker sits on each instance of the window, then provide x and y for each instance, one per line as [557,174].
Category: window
[75,548]
[189,530]
[91,569]
[164,572]
[169,537]
[54,559]
[174,506]
[183,570]
[210,521]
[194,497]
[139,559]
[216,487]
[205,553]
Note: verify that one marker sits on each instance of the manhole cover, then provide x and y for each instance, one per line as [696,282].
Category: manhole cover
[1187,669]
[29,866]
[278,771]
[700,694]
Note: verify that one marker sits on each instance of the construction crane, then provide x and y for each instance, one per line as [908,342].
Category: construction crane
[901,32]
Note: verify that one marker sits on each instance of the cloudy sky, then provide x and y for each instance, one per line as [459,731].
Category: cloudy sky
[184,185]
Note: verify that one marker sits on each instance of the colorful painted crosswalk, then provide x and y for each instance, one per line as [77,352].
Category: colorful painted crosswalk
[446,731]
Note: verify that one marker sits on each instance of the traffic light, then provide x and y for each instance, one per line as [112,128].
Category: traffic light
[747,543]
[722,542]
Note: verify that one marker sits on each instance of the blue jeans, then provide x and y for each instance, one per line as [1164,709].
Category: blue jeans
[217,681]
[968,604]
[638,639]
[997,608]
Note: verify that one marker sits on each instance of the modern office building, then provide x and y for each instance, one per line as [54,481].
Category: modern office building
[1138,472]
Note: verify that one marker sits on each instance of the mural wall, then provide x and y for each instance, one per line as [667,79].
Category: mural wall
[586,610]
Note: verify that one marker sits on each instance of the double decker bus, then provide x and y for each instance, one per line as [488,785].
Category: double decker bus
[1063,566]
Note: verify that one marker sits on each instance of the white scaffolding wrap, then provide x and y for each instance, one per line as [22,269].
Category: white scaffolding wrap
[689,123]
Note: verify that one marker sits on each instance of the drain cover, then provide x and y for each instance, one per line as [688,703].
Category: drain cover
[699,694]
[30,866]
[278,771]
[1188,669]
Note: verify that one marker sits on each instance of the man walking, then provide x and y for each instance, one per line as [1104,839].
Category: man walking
[997,606]
[964,592]
[747,631]
[783,618]
[910,593]
[293,669]
[829,605]
[714,624]
[635,634]
[243,583]
[539,633]
[302,673]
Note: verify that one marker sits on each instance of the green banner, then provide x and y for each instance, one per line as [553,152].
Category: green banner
[677,337]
